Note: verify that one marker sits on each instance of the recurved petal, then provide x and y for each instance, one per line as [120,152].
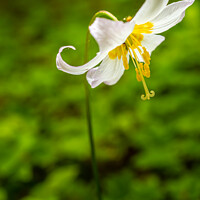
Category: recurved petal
[170,16]
[149,10]
[150,42]
[110,34]
[109,72]
[63,66]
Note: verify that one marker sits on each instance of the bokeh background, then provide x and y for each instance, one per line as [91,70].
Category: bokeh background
[145,150]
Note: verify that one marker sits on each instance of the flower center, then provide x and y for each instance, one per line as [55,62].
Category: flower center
[139,55]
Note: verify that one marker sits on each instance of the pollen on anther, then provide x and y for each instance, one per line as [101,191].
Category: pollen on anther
[146,56]
[138,76]
[125,62]
[112,54]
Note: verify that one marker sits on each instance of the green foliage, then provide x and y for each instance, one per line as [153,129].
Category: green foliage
[145,150]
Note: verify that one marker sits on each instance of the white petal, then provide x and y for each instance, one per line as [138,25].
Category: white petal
[149,10]
[63,66]
[110,34]
[150,42]
[170,16]
[109,72]
[118,73]
[138,54]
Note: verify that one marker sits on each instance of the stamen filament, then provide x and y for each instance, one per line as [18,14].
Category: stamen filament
[132,37]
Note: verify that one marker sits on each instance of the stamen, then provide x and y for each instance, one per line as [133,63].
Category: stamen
[119,52]
[146,56]
[124,58]
[112,54]
[146,70]
[142,68]
[139,74]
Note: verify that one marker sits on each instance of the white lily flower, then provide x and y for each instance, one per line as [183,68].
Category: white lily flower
[118,40]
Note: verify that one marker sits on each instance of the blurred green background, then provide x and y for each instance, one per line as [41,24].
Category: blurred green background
[145,150]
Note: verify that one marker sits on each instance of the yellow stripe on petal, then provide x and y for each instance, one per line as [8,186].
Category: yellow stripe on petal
[143,28]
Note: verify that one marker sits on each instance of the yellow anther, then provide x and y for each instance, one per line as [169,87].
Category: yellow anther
[148,74]
[125,62]
[146,67]
[146,53]
[124,57]
[112,54]
[129,18]
[119,52]
[146,56]
[146,60]
[138,76]
[145,70]
[142,68]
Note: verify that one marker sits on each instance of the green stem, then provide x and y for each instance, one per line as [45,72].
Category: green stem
[107,15]
[88,109]
[92,145]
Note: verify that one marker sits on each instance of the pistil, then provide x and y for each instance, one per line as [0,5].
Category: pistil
[148,94]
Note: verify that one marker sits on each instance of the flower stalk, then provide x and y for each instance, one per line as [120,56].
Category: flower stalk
[88,107]
[91,139]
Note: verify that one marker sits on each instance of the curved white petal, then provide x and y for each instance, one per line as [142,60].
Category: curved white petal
[109,72]
[150,42]
[63,66]
[170,16]
[149,10]
[165,26]
[110,34]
